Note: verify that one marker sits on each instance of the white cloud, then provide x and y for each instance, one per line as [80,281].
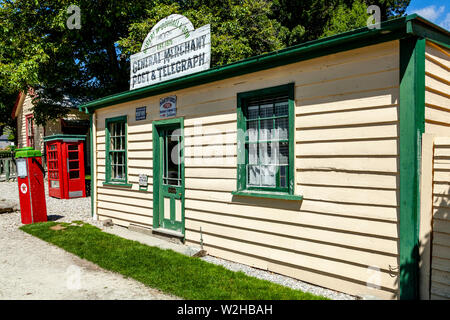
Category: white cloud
[431,12]
[446,22]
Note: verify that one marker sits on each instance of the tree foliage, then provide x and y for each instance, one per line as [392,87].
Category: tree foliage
[70,66]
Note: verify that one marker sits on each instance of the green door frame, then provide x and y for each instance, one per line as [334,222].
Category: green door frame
[157,170]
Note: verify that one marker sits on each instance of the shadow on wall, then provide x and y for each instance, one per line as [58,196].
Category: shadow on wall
[439,240]
[433,253]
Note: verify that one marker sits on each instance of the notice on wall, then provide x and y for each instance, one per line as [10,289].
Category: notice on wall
[172,49]
[143,180]
[141,113]
[168,107]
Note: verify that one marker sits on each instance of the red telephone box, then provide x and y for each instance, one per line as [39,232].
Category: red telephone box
[30,178]
[65,164]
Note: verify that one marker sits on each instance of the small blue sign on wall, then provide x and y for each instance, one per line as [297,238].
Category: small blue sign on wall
[141,113]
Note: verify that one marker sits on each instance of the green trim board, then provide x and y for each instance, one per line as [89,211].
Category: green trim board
[65,137]
[118,184]
[158,193]
[389,30]
[91,144]
[270,195]
[412,125]
[286,90]
[108,179]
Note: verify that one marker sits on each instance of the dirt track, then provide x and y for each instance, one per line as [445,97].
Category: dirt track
[33,269]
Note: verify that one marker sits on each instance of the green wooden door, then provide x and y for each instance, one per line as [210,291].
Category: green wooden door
[168,149]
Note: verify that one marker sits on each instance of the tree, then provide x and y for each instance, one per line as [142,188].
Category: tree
[346,18]
[7,101]
[64,66]
[67,67]
[239,28]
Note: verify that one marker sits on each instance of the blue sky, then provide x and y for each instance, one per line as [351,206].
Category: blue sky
[432,10]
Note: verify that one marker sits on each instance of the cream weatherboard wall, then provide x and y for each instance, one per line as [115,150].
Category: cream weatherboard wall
[344,234]
[437,89]
[440,250]
[435,218]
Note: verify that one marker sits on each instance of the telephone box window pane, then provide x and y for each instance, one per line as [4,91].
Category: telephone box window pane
[73,165]
[73,155]
[74,174]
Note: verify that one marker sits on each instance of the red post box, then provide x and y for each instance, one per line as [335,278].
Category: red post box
[30,178]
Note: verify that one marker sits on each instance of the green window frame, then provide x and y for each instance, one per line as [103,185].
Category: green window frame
[266,128]
[116,151]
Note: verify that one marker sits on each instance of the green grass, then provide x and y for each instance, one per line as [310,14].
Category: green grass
[169,271]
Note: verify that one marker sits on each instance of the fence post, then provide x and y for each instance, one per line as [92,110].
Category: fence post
[7,170]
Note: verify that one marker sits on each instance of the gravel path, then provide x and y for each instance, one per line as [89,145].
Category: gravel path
[34,269]
[280,279]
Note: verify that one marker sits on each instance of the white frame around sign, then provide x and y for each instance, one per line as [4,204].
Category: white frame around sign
[173,57]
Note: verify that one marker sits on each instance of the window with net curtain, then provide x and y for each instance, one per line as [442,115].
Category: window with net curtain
[265,119]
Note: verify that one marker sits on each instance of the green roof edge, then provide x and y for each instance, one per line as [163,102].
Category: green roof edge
[411,25]
[65,137]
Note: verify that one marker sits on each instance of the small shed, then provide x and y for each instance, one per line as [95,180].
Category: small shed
[305,161]
[65,165]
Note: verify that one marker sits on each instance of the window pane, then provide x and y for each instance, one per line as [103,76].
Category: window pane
[252,112]
[73,165]
[267,153]
[120,172]
[73,155]
[265,130]
[281,128]
[283,179]
[252,131]
[121,158]
[253,153]
[281,109]
[283,153]
[74,174]
[266,110]
[268,174]
[253,175]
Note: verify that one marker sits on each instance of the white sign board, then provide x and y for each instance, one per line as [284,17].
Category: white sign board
[172,49]
[21,168]
[143,180]
[168,107]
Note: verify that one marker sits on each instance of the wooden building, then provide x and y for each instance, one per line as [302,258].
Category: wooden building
[305,161]
[29,134]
